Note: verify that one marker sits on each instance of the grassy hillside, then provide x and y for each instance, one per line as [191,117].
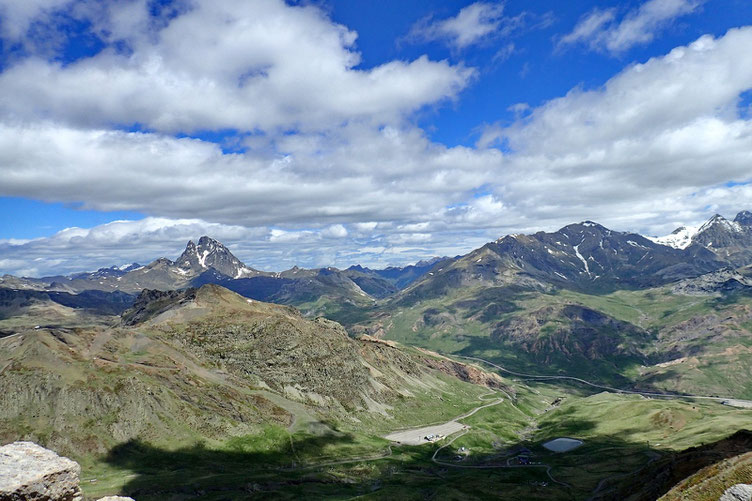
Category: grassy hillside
[204,394]
[711,482]
[626,338]
[622,436]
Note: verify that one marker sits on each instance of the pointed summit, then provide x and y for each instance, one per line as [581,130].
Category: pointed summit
[188,260]
[730,240]
[744,218]
[719,223]
[211,254]
[716,232]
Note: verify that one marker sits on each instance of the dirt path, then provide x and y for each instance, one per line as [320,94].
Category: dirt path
[492,466]
[419,434]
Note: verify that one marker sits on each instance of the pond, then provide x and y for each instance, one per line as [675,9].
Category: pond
[562,444]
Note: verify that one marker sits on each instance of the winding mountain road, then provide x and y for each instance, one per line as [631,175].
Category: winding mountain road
[416,436]
[491,466]
[538,377]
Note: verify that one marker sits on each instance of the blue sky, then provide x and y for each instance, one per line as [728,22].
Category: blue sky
[337,132]
[533,73]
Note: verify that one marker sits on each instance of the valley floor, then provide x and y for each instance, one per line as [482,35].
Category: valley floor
[497,454]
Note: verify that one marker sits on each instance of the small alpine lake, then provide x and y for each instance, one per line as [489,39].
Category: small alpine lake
[562,444]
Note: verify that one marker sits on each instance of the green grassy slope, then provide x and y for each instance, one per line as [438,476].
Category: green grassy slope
[621,338]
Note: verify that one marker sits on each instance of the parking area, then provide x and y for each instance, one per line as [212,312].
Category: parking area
[417,436]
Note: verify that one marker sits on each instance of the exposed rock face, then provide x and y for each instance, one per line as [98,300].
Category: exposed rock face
[726,280]
[469,374]
[151,302]
[729,240]
[739,492]
[570,331]
[744,218]
[585,257]
[31,472]
[211,254]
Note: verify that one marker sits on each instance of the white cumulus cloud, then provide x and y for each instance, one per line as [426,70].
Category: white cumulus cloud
[331,167]
[258,65]
[473,24]
[600,30]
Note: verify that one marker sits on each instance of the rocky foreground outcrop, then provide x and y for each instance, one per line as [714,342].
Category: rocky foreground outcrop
[738,492]
[31,472]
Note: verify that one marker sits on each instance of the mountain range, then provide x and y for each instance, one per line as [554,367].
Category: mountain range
[550,297]
[583,256]
[182,379]
[591,258]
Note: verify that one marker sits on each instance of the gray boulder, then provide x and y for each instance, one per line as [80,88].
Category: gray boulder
[738,492]
[31,472]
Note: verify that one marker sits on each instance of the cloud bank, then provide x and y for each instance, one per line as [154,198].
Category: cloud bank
[328,166]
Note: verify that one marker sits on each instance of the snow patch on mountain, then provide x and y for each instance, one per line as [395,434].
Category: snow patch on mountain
[581,258]
[718,219]
[202,258]
[680,238]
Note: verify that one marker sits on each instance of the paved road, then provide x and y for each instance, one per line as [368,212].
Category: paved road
[491,466]
[538,377]
[416,436]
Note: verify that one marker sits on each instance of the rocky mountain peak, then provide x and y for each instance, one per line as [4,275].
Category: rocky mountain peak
[716,232]
[719,222]
[209,244]
[162,261]
[744,218]
[211,254]
[729,240]
[680,238]
[585,228]
[429,262]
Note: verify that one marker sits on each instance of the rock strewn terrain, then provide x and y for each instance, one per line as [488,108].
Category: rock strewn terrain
[722,281]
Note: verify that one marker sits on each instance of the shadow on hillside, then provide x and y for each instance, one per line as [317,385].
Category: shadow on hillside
[657,478]
[555,361]
[198,472]
[236,471]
